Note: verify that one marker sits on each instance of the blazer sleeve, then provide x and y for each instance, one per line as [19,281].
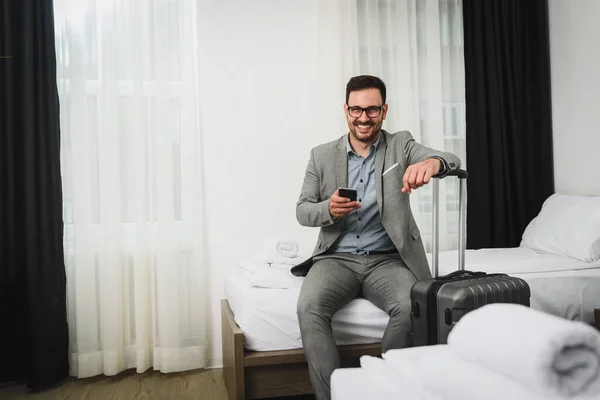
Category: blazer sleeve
[416,152]
[311,210]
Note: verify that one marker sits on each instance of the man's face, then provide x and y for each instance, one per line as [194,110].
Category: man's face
[364,128]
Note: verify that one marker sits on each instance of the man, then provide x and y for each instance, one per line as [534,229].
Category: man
[371,246]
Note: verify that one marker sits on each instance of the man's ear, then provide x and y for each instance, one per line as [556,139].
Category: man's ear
[385,110]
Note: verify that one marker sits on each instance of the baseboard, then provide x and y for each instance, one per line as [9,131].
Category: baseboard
[214,363]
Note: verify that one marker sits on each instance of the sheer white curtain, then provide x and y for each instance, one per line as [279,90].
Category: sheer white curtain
[416,47]
[137,290]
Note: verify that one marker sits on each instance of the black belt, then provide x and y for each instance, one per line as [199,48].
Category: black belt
[376,253]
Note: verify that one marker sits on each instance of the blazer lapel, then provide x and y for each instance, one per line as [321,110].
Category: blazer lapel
[341,163]
[379,160]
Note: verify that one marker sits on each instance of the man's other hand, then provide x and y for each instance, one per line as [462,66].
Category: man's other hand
[419,174]
[339,207]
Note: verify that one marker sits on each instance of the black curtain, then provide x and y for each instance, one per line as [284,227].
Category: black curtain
[508,114]
[33,321]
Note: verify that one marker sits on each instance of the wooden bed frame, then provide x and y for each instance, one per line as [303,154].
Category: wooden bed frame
[267,374]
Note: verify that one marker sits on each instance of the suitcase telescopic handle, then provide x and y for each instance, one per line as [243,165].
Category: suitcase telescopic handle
[462,176]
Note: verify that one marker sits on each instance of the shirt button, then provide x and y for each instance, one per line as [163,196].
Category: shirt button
[358,236]
[361,181]
[360,219]
[359,200]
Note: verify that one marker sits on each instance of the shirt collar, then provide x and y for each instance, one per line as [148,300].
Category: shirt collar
[372,147]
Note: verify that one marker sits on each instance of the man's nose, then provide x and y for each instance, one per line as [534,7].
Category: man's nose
[363,117]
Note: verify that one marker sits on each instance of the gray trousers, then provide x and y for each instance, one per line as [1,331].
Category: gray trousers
[331,283]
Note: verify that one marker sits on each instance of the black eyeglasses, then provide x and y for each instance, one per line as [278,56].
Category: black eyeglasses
[372,112]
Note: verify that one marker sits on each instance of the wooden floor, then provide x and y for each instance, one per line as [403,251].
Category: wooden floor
[129,385]
[199,384]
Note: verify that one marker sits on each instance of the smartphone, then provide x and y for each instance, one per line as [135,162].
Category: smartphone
[349,193]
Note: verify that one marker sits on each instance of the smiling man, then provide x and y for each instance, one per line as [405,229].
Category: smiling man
[371,246]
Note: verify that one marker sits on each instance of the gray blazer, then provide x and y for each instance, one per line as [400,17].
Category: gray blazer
[327,171]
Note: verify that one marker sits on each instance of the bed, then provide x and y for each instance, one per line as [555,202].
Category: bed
[252,374]
[262,348]
[265,359]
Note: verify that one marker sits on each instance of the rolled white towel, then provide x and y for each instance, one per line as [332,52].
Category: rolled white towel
[442,374]
[280,251]
[548,354]
[283,247]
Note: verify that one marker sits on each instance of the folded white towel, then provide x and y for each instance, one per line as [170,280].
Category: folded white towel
[367,384]
[275,260]
[395,382]
[279,249]
[548,354]
[442,374]
[270,266]
[271,277]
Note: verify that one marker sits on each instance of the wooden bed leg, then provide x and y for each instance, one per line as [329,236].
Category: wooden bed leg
[233,354]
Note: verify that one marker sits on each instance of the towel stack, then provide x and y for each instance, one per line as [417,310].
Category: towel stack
[270,266]
[500,351]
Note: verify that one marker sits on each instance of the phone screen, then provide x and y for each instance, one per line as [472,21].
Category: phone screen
[349,193]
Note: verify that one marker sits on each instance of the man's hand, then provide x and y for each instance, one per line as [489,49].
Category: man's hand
[419,174]
[339,207]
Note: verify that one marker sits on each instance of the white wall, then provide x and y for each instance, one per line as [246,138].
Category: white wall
[253,161]
[575,69]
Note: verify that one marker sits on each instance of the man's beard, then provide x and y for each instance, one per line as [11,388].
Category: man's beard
[366,139]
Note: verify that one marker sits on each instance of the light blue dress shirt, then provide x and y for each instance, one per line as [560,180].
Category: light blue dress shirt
[363,231]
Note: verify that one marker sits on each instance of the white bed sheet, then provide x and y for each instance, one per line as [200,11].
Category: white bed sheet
[560,286]
[515,260]
[269,321]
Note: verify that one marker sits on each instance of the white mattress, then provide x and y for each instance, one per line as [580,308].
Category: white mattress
[560,286]
[269,321]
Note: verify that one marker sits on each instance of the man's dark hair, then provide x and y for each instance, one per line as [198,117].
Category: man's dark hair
[365,82]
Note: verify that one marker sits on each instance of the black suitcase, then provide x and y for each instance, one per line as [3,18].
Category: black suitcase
[440,302]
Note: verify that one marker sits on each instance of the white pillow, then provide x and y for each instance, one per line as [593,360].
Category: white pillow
[567,225]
